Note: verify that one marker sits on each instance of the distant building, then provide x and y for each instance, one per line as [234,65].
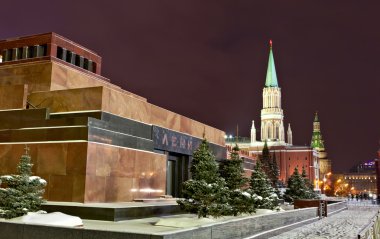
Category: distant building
[365,167]
[287,155]
[363,178]
[377,169]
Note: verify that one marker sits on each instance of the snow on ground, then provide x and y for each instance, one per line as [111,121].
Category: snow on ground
[345,224]
[49,219]
[191,220]
[162,224]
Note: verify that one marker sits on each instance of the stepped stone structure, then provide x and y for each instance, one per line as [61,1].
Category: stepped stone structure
[90,139]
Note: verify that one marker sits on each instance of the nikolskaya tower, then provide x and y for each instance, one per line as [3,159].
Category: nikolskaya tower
[272,115]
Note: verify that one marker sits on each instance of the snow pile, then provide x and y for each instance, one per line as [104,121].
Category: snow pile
[42,181]
[7,177]
[50,219]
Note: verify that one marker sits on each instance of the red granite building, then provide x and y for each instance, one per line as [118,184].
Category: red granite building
[90,139]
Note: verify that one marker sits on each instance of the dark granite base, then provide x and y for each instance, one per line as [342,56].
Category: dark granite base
[262,226]
[24,231]
[115,213]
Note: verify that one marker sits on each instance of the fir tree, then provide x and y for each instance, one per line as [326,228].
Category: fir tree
[206,193]
[274,176]
[265,158]
[309,186]
[22,193]
[233,173]
[274,172]
[270,167]
[297,188]
[261,186]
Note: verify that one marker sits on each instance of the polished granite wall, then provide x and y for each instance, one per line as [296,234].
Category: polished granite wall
[91,172]
[52,74]
[66,77]
[13,96]
[122,174]
[118,103]
[37,75]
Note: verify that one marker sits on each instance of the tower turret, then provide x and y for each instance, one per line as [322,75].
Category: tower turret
[272,127]
[316,139]
[253,133]
[290,135]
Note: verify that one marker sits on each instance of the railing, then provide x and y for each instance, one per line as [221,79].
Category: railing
[372,230]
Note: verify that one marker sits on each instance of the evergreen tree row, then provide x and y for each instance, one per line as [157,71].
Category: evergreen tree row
[225,191]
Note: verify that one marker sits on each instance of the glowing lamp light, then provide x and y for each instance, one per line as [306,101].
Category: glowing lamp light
[230,136]
[147,190]
[150,190]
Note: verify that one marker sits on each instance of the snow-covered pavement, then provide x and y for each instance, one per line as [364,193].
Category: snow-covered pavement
[345,224]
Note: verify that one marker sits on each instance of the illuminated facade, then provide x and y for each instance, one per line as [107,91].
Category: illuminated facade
[272,131]
[272,115]
[362,178]
[361,182]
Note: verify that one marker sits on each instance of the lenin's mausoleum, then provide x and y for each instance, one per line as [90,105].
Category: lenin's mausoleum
[89,139]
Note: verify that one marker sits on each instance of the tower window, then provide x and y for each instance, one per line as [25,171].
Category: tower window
[59,52]
[70,57]
[39,50]
[30,52]
[7,55]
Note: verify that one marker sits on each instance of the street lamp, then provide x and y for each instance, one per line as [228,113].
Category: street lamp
[325,180]
[316,182]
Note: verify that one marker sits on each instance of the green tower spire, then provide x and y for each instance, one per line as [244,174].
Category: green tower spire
[316,139]
[271,80]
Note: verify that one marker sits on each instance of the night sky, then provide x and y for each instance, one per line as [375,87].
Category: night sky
[207,59]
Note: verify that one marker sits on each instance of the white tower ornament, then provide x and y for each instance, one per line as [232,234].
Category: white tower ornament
[290,135]
[253,133]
